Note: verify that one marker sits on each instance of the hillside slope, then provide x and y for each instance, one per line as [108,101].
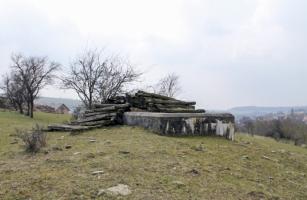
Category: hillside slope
[153,166]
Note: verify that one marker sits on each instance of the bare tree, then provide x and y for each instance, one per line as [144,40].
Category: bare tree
[14,91]
[247,125]
[169,85]
[34,73]
[117,74]
[96,77]
[84,76]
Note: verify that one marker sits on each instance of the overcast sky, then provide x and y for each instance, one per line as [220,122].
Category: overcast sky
[227,53]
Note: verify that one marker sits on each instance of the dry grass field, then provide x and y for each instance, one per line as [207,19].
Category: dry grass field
[153,166]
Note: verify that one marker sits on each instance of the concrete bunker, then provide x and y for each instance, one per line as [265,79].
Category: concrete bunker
[183,124]
[161,114]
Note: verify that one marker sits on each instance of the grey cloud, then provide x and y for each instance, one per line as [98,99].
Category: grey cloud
[226,59]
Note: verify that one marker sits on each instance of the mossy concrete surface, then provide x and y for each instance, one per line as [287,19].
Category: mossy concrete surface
[184,124]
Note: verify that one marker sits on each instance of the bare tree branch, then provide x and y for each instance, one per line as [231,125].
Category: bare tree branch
[169,85]
[96,77]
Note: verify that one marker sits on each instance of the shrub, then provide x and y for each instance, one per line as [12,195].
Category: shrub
[289,128]
[78,112]
[34,140]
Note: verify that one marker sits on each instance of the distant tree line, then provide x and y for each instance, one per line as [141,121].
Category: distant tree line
[93,75]
[286,128]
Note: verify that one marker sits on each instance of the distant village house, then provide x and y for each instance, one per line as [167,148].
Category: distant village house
[44,108]
[62,109]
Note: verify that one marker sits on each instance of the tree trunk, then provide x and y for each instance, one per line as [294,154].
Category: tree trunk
[90,105]
[15,106]
[20,108]
[31,107]
[28,108]
[90,101]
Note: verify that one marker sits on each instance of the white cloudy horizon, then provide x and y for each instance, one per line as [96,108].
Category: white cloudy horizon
[227,53]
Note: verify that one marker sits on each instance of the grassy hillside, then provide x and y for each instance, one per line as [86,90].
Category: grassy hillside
[154,167]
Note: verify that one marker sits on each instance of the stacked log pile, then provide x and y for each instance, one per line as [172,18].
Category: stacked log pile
[150,102]
[111,113]
[101,115]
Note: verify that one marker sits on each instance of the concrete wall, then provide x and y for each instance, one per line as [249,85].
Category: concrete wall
[183,124]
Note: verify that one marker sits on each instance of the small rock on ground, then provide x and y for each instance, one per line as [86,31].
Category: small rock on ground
[198,148]
[97,172]
[120,189]
[178,183]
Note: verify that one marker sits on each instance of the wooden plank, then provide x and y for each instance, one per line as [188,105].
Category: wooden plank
[182,111]
[105,109]
[65,127]
[147,94]
[170,106]
[168,102]
[126,105]
[96,118]
[99,123]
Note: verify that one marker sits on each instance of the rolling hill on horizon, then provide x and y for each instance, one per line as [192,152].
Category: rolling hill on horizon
[239,111]
[56,102]
[255,111]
